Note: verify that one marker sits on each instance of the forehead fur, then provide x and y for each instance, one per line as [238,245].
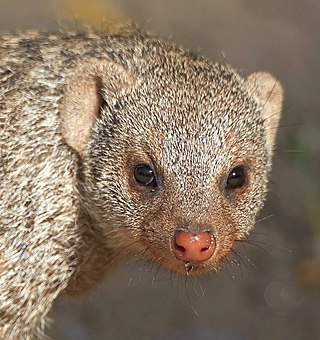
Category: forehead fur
[190,102]
[177,87]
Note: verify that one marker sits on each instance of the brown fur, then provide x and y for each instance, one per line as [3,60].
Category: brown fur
[77,112]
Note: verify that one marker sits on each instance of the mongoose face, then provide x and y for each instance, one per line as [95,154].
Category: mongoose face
[121,145]
[177,161]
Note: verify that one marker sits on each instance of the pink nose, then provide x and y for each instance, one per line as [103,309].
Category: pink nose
[189,247]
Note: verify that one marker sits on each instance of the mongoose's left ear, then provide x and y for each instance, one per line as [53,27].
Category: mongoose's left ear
[89,87]
[269,94]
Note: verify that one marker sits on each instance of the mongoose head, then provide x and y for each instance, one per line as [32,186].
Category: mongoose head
[175,152]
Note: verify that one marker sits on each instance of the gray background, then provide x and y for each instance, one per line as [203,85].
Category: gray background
[271,290]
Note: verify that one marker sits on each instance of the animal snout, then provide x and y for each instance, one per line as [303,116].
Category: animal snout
[193,247]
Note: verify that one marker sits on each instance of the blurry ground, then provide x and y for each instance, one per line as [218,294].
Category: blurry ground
[276,292]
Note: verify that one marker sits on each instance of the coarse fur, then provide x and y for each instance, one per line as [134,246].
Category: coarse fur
[77,112]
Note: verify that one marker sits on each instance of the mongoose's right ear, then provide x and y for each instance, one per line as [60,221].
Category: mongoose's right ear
[269,94]
[87,89]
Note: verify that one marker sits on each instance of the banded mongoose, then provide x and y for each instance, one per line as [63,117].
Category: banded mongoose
[121,145]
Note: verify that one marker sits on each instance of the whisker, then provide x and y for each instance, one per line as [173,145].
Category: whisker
[154,278]
[239,260]
[179,283]
[282,126]
[270,94]
[255,243]
[258,233]
[186,280]
[264,218]
[293,151]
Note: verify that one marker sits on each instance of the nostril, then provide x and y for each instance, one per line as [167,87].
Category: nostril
[204,249]
[179,248]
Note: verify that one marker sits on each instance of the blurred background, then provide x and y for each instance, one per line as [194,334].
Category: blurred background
[270,289]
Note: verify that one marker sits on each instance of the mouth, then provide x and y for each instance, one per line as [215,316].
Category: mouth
[194,269]
[183,268]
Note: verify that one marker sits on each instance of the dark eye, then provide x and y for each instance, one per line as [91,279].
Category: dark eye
[236,178]
[144,175]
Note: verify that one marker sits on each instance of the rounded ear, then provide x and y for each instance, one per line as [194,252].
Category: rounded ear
[87,89]
[268,92]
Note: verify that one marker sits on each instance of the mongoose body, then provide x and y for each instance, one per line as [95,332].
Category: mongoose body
[121,145]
